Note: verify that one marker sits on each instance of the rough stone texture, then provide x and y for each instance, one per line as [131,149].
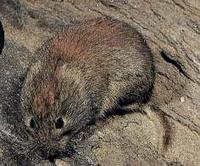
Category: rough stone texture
[172,29]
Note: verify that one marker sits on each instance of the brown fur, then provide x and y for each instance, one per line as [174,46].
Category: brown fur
[87,70]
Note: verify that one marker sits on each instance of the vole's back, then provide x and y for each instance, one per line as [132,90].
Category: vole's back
[113,58]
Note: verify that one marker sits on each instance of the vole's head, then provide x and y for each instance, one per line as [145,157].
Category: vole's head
[55,105]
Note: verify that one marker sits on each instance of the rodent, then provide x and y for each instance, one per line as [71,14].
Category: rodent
[90,68]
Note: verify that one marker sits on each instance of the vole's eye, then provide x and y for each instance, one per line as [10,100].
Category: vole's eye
[59,123]
[32,123]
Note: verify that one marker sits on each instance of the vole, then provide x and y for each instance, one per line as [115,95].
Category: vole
[90,68]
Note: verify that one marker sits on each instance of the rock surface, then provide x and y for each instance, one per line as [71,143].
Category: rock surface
[172,30]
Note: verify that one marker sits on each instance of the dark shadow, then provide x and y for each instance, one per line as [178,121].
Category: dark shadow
[168,59]
[1,37]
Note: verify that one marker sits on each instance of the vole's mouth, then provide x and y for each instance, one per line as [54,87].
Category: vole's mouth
[52,159]
[52,154]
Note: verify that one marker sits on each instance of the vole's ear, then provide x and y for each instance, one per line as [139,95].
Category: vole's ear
[1,37]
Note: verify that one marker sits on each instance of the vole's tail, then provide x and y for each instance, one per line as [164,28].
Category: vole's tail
[162,115]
